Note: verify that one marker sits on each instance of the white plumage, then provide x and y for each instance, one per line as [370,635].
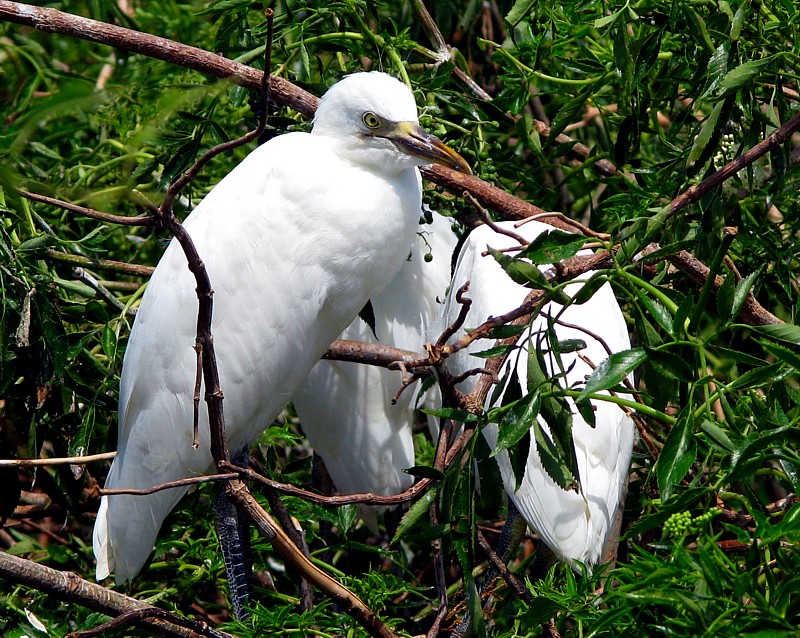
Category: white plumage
[574,525]
[295,239]
[345,408]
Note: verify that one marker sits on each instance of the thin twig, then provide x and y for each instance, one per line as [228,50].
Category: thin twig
[331,501]
[168,485]
[771,142]
[513,582]
[63,460]
[140,220]
[449,331]
[484,215]
[198,627]
[85,278]
[101,264]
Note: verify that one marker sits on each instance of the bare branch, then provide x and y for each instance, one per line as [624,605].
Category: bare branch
[67,460]
[519,589]
[752,312]
[331,501]
[193,480]
[141,220]
[374,354]
[198,627]
[102,264]
[773,141]
[54,21]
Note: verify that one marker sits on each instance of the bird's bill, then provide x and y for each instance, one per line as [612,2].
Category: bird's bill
[412,139]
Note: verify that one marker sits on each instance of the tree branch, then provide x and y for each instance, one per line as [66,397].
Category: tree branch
[71,588]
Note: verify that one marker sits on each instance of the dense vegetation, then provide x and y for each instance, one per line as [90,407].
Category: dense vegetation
[668,92]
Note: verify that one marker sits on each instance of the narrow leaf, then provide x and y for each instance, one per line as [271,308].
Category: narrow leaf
[676,458]
[613,370]
[553,246]
[781,331]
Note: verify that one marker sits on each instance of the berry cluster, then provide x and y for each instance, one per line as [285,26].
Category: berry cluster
[682,523]
[727,146]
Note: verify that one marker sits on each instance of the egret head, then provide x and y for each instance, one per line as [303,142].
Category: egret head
[373,117]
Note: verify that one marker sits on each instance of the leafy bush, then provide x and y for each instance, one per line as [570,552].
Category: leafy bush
[605,112]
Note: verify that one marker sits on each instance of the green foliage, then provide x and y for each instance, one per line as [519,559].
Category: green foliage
[667,91]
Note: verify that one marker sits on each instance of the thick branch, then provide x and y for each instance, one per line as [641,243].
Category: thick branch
[71,588]
[54,21]
[375,354]
[752,312]
[281,91]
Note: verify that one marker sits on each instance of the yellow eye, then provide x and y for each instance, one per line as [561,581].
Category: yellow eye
[371,120]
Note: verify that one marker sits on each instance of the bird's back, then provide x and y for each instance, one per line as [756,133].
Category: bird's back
[288,275]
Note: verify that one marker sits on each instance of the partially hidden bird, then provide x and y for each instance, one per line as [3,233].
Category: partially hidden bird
[296,239]
[575,524]
[346,409]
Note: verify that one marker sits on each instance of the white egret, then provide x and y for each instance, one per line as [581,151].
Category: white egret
[345,408]
[575,525]
[296,239]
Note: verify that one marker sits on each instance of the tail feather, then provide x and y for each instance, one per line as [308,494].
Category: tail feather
[102,543]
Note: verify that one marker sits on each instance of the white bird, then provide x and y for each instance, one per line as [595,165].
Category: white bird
[575,525]
[296,239]
[345,408]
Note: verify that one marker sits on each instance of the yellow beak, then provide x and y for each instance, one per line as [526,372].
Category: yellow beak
[412,139]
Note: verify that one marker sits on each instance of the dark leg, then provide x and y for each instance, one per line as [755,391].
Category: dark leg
[233,532]
[510,537]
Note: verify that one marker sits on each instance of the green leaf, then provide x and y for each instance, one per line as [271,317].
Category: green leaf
[520,271]
[671,364]
[677,456]
[415,513]
[109,342]
[517,421]
[569,345]
[647,55]
[657,311]
[739,357]
[452,413]
[425,471]
[345,517]
[555,460]
[781,331]
[496,351]
[789,357]
[757,377]
[743,74]
[698,28]
[519,11]
[553,246]
[742,290]
[725,297]
[718,436]
[75,287]
[707,129]
[40,243]
[505,332]
[613,370]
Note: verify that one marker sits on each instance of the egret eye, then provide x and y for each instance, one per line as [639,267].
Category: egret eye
[371,120]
